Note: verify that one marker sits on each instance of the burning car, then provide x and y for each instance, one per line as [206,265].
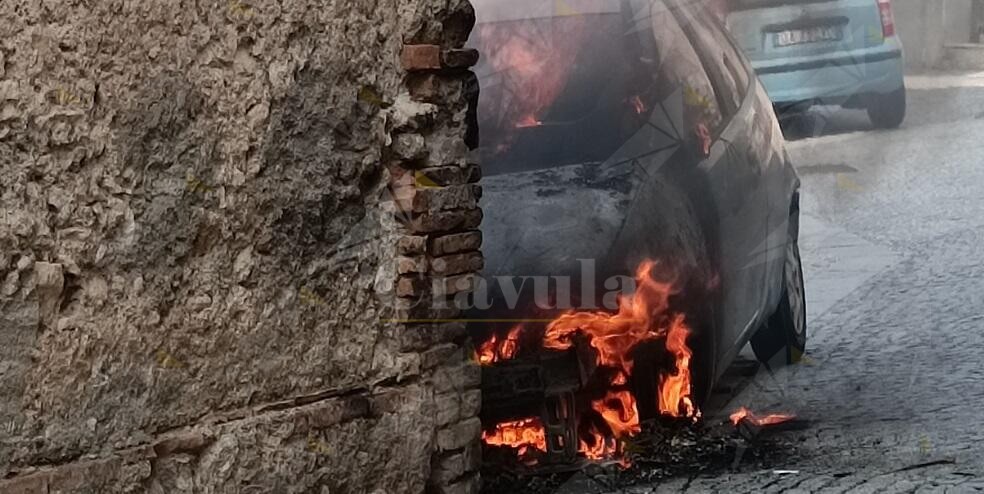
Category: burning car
[641,220]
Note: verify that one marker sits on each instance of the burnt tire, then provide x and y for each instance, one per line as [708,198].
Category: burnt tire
[782,340]
[887,111]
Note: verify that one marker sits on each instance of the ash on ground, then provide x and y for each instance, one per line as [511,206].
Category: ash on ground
[665,449]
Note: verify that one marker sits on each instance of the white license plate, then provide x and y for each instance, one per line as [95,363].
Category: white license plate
[810,35]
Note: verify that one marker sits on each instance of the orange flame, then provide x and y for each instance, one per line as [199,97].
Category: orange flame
[674,390]
[641,317]
[615,335]
[619,411]
[494,350]
[744,414]
[520,434]
[598,445]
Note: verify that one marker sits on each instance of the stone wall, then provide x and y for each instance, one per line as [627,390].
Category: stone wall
[219,224]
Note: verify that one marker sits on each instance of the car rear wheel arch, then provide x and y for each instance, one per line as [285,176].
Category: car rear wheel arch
[782,338]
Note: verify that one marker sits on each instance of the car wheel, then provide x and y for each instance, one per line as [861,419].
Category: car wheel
[782,340]
[887,111]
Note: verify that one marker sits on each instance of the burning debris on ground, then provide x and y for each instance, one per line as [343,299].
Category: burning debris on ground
[664,449]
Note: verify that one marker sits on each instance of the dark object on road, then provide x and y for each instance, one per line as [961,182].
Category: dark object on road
[633,138]
[832,52]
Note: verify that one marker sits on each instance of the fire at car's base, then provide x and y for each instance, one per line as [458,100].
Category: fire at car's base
[666,448]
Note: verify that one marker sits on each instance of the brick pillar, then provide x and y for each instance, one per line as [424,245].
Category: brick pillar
[436,195]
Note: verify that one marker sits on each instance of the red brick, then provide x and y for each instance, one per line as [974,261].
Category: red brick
[410,245]
[471,262]
[421,57]
[447,221]
[446,198]
[455,243]
[411,265]
[408,286]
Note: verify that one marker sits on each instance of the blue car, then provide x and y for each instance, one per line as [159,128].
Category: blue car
[832,52]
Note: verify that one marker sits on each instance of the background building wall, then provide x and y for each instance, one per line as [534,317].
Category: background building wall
[928,26]
[958,17]
[208,222]
[920,25]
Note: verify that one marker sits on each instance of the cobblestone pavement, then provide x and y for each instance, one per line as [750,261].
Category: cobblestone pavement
[893,246]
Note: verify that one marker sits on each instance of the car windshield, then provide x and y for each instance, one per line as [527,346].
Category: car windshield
[556,90]
[575,89]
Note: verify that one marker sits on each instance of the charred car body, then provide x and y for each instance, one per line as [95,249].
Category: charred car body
[616,132]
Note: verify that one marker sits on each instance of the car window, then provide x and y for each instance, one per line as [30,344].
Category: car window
[573,89]
[728,72]
[680,70]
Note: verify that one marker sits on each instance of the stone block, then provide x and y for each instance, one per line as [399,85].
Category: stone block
[424,87]
[447,409]
[449,468]
[459,379]
[409,146]
[459,58]
[471,403]
[469,485]
[459,435]
[50,283]
[442,355]
[421,337]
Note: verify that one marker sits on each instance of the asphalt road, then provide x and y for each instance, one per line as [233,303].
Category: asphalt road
[893,247]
